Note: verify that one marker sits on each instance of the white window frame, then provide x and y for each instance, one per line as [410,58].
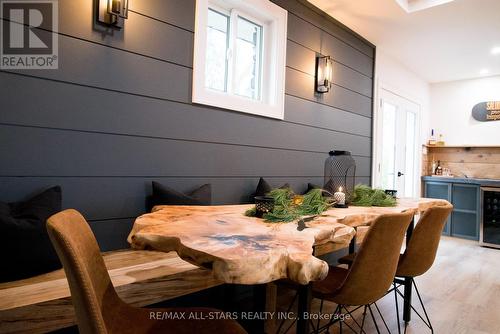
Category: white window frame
[273,19]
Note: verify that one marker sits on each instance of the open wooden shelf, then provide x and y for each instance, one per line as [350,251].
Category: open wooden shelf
[479,161]
[461,146]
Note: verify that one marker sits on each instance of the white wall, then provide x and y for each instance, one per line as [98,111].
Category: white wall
[451,109]
[395,77]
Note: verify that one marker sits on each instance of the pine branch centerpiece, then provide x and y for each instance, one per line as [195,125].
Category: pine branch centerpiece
[366,196]
[288,206]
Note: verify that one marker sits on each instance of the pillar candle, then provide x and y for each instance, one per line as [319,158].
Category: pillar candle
[339,196]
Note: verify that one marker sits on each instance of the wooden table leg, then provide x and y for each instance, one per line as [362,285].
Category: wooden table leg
[408,283]
[304,307]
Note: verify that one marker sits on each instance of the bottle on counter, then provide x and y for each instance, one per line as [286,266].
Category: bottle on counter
[433,166]
[440,141]
[432,140]
[439,169]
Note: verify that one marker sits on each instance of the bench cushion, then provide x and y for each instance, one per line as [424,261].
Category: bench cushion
[25,248]
[163,195]
[263,187]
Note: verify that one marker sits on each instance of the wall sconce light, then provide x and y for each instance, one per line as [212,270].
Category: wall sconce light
[112,12]
[324,74]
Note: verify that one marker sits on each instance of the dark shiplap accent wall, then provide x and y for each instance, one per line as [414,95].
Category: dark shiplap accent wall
[117,115]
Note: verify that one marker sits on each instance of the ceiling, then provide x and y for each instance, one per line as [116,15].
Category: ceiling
[447,42]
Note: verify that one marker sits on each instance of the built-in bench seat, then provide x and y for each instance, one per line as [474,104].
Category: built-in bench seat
[42,303]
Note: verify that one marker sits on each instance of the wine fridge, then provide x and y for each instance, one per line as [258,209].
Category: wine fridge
[490,220]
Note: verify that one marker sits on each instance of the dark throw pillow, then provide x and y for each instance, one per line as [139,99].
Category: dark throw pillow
[311,186]
[26,249]
[264,187]
[163,195]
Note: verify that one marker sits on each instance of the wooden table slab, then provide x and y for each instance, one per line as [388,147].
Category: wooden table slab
[238,249]
[362,216]
[247,250]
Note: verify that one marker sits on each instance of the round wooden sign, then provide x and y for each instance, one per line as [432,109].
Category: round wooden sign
[486,111]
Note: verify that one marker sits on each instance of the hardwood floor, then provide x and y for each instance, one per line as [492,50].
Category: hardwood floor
[461,293]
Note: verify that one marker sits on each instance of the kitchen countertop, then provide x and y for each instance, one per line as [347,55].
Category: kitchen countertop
[470,180]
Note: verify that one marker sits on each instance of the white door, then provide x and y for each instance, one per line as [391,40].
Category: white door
[397,129]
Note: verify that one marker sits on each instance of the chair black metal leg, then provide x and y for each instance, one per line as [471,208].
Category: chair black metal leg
[320,312]
[382,317]
[363,319]
[290,326]
[407,299]
[345,323]
[339,312]
[338,309]
[349,326]
[362,331]
[287,312]
[414,310]
[337,318]
[407,280]
[426,321]
[374,320]
[423,307]
[397,307]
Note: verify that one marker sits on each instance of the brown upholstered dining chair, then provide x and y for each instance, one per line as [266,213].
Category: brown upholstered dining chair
[99,310]
[419,254]
[368,278]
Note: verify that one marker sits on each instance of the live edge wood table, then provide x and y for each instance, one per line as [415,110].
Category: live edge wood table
[245,250]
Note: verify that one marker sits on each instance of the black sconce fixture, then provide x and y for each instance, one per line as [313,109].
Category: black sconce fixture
[324,74]
[112,12]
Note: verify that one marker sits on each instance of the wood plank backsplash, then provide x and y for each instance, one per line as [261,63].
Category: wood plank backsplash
[477,162]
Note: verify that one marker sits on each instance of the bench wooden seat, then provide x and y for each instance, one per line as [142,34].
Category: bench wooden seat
[42,303]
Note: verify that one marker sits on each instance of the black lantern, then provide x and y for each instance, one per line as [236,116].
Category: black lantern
[340,173]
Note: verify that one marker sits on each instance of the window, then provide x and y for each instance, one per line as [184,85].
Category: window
[247,59]
[239,56]
[216,66]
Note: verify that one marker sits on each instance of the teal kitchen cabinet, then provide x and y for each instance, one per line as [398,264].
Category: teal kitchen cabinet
[464,220]
[440,190]
[466,211]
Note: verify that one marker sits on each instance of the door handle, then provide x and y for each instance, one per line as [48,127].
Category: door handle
[400,174]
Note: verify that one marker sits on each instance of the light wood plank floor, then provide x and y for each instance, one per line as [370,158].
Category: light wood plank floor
[461,293]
